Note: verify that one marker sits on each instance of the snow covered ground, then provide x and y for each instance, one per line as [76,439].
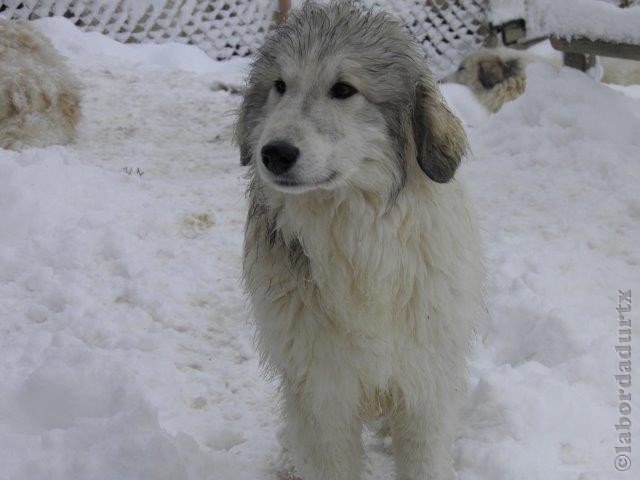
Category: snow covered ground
[125,345]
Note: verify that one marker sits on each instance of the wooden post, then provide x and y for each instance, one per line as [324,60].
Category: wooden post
[280,15]
[513,31]
[579,61]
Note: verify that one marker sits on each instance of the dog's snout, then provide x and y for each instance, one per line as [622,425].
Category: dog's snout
[279,157]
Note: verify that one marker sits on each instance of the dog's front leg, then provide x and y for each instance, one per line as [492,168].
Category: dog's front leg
[323,428]
[422,436]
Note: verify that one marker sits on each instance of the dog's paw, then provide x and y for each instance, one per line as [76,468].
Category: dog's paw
[287,474]
[285,469]
[284,466]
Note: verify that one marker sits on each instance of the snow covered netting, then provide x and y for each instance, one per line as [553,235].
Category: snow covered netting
[447,29]
[126,350]
[222,28]
[592,19]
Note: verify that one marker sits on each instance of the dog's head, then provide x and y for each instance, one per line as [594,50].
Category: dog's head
[484,69]
[340,96]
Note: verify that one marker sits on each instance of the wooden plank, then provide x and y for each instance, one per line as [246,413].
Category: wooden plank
[596,47]
[525,43]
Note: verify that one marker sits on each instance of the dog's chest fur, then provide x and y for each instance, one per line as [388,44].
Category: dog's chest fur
[342,278]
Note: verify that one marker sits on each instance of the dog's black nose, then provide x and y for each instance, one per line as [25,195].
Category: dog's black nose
[279,157]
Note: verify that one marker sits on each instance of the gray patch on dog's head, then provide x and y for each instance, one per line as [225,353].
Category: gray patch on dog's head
[389,65]
[494,70]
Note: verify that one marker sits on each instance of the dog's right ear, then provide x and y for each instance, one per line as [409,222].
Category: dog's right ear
[440,140]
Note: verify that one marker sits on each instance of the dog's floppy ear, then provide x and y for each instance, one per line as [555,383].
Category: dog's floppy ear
[440,140]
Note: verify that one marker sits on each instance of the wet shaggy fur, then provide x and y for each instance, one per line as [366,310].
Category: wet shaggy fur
[365,269]
[496,76]
[39,97]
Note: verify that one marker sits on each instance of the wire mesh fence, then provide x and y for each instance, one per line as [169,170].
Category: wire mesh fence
[446,29]
[221,28]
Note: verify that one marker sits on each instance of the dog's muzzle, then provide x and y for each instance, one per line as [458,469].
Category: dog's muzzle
[279,156]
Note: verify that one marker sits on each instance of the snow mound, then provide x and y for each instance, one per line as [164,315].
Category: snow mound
[502,11]
[551,179]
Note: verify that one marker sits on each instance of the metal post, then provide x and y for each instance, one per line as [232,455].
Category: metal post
[280,15]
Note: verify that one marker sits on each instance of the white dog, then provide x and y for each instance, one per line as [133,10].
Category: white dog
[362,258]
[39,98]
[497,76]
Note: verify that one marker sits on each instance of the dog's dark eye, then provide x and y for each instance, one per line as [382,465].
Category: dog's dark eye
[342,90]
[281,87]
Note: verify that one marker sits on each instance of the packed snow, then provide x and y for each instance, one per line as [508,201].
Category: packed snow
[126,347]
[502,11]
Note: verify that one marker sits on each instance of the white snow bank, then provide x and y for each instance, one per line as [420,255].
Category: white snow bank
[632,91]
[125,351]
[553,177]
[593,19]
[545,50]
[77,417]
[94,49]
[72,405]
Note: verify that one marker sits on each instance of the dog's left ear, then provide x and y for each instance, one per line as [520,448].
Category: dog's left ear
[440,140]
